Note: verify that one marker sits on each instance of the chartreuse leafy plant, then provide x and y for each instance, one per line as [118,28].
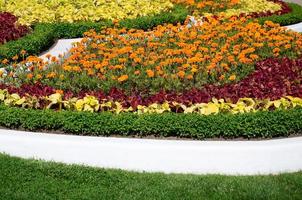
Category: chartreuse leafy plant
[92,104]
[228,8]
[34,11]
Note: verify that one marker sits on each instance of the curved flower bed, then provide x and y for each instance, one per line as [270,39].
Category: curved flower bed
[43,35]
[34,11]
[228,8]
[170,58]
[222,69]
[9,29]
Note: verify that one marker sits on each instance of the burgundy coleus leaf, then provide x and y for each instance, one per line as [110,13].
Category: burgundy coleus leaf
[9,29]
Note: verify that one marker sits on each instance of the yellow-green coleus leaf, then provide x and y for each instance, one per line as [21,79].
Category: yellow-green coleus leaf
[55,99]
[3,94]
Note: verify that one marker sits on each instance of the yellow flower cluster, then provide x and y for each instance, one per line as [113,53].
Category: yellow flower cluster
[252,6]
[229,8]
[33,11]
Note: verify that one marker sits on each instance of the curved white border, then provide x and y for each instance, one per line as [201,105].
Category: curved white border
[168,156]
[296,27]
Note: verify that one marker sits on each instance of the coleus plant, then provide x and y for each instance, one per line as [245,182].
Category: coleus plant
[272,79]
[92,104]
[9,29]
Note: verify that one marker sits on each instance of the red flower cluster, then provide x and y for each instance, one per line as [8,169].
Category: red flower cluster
[272,79]
[9,29]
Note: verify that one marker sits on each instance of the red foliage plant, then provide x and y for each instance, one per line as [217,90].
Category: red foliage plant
[272,79]
[9,29]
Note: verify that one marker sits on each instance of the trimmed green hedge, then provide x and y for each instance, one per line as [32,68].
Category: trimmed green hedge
[43,35]
[250,125]
[40,39]
[293,17]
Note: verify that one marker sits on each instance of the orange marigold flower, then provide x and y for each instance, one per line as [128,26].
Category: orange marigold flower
[16,57]
[221,77]
[288,46]
[232,77]
[181,74]
[51,75]
[190,77]
[123,78]
[150,73]
[5,61]
[54,59]
[30,76]
[254,56]
[38,76]
[276,50]
[60,91]
[23,52]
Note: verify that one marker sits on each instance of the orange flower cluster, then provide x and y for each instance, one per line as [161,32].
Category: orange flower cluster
[171,57]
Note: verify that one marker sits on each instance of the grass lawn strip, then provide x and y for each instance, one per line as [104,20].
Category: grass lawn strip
[29,179]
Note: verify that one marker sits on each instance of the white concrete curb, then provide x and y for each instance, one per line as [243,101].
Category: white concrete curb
[62,46]
[168,156]
[296,27]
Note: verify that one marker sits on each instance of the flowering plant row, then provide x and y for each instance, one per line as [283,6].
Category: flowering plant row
[228,8]
[272,79]
[170,58]
[33,11]
[92,104]
[9,28]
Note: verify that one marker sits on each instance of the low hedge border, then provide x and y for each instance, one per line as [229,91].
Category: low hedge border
[293,17]
[44,35]
[279,123]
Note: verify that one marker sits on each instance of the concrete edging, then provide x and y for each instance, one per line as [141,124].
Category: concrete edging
[168,156]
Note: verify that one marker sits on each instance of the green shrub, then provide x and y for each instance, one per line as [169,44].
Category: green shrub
[41,38]
[287,19]
[249,125]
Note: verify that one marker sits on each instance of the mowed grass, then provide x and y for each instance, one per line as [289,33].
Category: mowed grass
[31,179]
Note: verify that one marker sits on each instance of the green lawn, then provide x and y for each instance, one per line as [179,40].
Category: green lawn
[29,179]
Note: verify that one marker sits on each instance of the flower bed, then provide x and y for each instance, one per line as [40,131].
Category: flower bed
[228,8]
[34,11]
[43,35]
[171,58]
[223,68]
[9,29]
[50,11]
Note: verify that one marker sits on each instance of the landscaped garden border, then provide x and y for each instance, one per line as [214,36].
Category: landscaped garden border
[44,34]
[264,124]
[76,29]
